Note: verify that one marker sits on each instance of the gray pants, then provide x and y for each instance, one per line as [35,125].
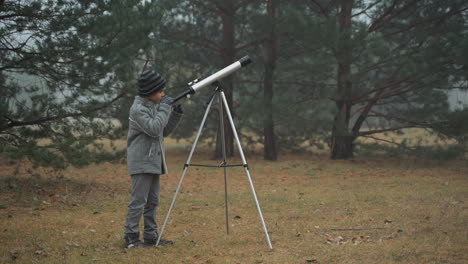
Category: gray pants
[144,201]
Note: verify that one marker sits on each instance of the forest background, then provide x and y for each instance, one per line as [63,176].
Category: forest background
[352,114]
[326,75]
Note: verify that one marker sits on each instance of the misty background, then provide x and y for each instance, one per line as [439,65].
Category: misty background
[325,74]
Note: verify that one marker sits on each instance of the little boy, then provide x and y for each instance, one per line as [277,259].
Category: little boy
[151,118]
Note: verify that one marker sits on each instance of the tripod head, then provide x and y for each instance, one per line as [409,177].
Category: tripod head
[195,85]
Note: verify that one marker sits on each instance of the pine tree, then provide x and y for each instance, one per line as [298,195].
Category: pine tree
[64,65]
[211,35]
[393,61]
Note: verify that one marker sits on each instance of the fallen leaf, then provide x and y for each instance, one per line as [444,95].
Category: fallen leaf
[360,239]
[339,240]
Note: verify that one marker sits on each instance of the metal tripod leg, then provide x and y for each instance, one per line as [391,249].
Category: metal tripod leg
[223,147]
[185,169]
[228,112]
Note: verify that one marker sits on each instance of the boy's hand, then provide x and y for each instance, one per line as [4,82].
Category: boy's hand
[167,100]
[178,109]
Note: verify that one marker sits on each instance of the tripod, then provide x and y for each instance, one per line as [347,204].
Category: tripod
[219,95]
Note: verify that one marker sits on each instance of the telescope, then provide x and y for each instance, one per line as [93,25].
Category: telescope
[195,85]
[223,107]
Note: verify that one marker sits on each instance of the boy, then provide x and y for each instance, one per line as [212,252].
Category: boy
[151,118]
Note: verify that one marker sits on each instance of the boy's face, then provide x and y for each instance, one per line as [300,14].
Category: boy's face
[156,98]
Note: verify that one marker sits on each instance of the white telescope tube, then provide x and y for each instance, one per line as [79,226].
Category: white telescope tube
[222,73]
[215,77]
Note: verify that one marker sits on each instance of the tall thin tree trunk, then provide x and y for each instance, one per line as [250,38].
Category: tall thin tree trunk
[270,64]
[342,138]
[228,55]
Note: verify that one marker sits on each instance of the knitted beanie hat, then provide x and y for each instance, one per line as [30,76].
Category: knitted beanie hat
[149,83]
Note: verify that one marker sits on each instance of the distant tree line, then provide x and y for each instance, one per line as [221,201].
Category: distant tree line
[323,71]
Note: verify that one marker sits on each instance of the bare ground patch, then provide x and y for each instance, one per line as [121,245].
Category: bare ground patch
[316,210]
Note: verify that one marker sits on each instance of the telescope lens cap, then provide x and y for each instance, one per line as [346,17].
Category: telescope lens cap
[245,60]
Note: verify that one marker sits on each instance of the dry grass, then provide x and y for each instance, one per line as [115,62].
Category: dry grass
[411,136]
[412,211]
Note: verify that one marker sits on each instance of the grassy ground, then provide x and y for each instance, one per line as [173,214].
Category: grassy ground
[316,210]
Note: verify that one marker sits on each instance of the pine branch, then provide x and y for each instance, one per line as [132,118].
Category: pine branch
[367,8]
[428,22]
[202,3]
[363,116]
[370,132]
[298,83]
[388,15]
[384,60]
[363,96]
[323,10]
[14,123]
[395,91]
[243,3]
[412,123]
[198,41]
[251,43]
[390,142]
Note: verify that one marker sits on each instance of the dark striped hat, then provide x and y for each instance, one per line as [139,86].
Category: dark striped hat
[149,83]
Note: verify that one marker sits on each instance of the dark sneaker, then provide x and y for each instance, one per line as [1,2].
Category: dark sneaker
[132,241]
[152,242]
[135,244]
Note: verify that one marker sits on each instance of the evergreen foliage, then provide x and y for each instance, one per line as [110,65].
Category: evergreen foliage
[64,65]
[68,69]
[454,126]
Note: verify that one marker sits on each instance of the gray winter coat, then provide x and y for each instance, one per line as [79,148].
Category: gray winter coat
[148,124]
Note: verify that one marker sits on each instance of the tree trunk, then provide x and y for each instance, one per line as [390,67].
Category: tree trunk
[343,147]
[342,138]
[228,55]
[269,151]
